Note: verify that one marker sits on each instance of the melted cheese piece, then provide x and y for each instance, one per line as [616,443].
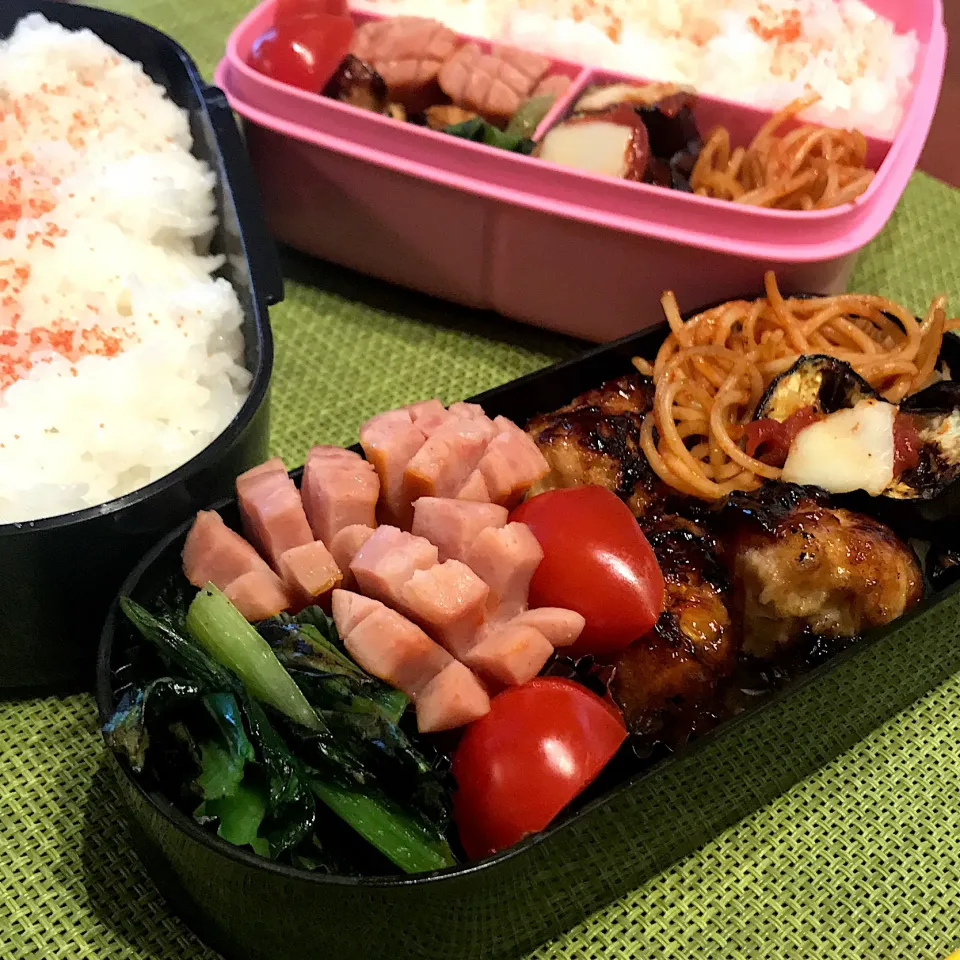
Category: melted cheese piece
[849,450]
[594,146]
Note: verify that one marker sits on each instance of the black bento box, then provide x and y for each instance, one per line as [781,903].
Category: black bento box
[58,575]
[251,909]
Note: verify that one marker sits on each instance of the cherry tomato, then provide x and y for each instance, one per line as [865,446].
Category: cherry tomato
[303,52]
[295,9]
[540,746]
[595,561]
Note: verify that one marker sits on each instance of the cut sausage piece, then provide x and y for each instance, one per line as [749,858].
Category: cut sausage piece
[511,653]
[492,84]
[273,465]
[560,626]
[441,466]
[449,601]
[407,52]
[472,411]
[272,514]
[338,492]
[511,464]
[389,440]
[505,559]
[350,608]
[429,415]
[213,553]
[474,489]
[308,571]
[388,559]
[391,647]
[453,698]
[453,525]
[258,595]
[345,546]
[328,452]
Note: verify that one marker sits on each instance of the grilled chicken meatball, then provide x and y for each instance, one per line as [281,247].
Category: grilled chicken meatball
[664,681]
[595,439]
[800,567]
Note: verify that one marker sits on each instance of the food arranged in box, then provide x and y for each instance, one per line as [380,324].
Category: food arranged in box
[438,181]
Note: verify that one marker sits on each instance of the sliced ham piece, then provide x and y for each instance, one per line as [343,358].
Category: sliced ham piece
[453,698]
[425,408]
[449,601]
[453,525]
[441,466]
[429,415]
[328,452]
[505,559]
[560,626]
[258,594]
[389,441]
[391,647]
[272,513]
[472,411]
[213,553]
[388,559]
[345,546]
[510,653]
[338,491]
[308,571]
[511,464]
[350,608]
[273,465]
[474,489]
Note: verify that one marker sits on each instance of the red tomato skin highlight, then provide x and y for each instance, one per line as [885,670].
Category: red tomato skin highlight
[303,52]
[516,768]
[297,9]
[597,562]
[906,444]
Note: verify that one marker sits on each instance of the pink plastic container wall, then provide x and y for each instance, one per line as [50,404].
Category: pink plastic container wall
[580,254]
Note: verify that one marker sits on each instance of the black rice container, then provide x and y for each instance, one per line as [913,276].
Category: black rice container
[250,909]
[58,575]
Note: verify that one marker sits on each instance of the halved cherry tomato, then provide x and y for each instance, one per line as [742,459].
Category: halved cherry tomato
[303,52]
[595,561]
[540,746]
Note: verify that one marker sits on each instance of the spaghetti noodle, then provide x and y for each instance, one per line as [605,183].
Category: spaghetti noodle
[712,370]
[809,168]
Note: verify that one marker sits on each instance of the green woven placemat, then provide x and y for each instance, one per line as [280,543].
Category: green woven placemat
[860,861]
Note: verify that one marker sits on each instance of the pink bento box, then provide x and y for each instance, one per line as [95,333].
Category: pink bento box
[581,254]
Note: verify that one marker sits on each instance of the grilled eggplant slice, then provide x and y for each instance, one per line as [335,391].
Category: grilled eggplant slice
[943,565]
[927,497]
[817,381]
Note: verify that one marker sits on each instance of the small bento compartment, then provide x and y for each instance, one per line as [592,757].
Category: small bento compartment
[666,135]
[416,71]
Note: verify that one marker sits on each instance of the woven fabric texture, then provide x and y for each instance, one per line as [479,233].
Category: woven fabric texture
[860,862]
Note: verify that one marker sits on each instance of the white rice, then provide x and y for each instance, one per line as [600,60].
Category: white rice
[761,52]
[121,356]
